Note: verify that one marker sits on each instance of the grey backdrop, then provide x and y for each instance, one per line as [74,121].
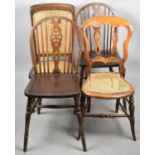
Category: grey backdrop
[53,132]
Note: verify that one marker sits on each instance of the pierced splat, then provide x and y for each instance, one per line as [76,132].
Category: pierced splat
[97,37]
[56,38]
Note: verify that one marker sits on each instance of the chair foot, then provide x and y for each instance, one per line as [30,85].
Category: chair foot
[80,122]
[27,123]
[132,118]
[39,103]
[117,105]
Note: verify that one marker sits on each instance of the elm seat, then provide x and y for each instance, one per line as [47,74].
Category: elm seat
[107,85]
[53,85]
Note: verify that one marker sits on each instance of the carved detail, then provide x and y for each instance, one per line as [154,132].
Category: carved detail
[56,38]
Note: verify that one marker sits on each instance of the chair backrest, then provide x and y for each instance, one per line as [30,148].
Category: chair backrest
[52,45]
[97,9]
[96,23]
[40,11]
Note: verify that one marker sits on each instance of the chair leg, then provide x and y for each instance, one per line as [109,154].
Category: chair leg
[89,104]
[117,105]
[124,104]
[82,99]
[27,123]
[39,103]
[80,119]
[111,69]
[132,118]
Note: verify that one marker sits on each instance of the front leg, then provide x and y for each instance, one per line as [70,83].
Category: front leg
[132,118]
[27,122]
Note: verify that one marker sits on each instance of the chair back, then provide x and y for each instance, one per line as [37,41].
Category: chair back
[40,11]
[97,9]
[96,23]
[52,45]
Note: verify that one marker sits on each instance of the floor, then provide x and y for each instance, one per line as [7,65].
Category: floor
[54,131]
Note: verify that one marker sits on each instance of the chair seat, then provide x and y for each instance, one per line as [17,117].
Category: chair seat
[53,85]
[108,85]
[65,67]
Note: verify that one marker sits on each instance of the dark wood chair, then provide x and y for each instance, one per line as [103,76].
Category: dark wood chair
[87,11]
[108,85]
[55,65]
[40,11]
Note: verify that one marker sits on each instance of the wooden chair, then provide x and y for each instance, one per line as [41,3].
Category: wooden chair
[87,11]
[55,64]
[40,11]
[108,85]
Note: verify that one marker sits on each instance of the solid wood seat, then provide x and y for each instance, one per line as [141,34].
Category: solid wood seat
[56,66]
[108,85]
[53,85]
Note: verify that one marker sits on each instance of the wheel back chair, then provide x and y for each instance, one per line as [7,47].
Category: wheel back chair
[55,64]
[107,85]
[87,11]
[40,11]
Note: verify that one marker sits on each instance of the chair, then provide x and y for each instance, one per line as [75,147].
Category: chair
[87,11]
[51,44]
[40,11]
[107,85]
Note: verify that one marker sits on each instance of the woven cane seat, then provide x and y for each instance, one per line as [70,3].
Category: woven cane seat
[107,85]
[65,67]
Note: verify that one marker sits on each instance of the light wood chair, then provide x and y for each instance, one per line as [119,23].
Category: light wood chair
[88,11]
[40,11]
[55,70]
[108,85]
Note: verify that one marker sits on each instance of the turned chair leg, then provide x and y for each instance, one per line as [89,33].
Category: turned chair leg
[89,104]
[39,103]
[27,123]
[124,104]
[132,118]
[80,122]
[117,105]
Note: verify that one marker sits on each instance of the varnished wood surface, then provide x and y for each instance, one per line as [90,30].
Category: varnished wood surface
[97,22]
[53,85]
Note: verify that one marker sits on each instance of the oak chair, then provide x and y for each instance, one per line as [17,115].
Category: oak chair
[40,11]
[51,44]
[87,11]
[108,85]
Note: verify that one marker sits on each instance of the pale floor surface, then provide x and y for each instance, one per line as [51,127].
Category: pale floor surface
[54,131]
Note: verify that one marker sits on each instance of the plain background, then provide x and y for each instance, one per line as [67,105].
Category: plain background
[53,131]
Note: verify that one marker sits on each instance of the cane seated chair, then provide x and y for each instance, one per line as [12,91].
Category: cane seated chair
[108,85]
[47,82]
[91,10]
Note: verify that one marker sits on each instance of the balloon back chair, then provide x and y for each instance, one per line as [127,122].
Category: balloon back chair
[55,65]
[40,11]
[107,85]
[87,11]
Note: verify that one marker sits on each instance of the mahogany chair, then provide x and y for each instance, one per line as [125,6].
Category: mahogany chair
[87,11]
[40,11]
[55,64]
[108,85]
